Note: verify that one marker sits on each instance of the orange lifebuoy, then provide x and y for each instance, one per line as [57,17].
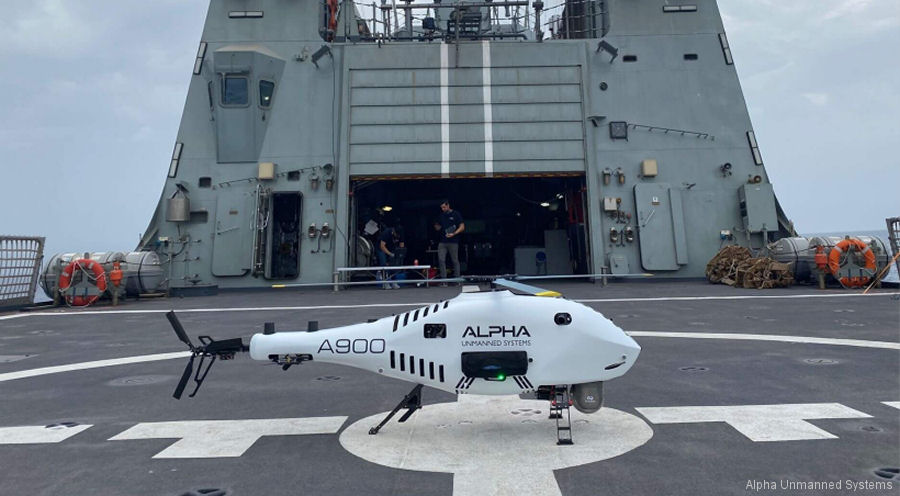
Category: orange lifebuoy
[834,262]
[65,281]
[332,15]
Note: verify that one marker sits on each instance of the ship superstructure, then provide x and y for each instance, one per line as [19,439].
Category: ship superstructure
[584,137]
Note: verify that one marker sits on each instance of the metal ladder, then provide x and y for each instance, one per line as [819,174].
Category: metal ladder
[558,404]
[893,226]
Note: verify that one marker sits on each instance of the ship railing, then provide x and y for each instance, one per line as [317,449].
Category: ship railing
[20,265]
[399,20]
[893,228]
[576,19]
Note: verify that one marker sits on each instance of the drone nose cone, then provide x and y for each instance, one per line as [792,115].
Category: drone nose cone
[632,344]
[615,334]
[623,350]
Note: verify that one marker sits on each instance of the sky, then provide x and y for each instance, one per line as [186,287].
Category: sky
[95,91]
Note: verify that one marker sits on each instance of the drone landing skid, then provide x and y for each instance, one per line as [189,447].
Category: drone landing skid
[412,402]
[559,403]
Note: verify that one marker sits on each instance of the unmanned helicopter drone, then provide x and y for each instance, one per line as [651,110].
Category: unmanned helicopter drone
[510,338]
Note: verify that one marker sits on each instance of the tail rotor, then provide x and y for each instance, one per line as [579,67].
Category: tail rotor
[224,349]
[185,377]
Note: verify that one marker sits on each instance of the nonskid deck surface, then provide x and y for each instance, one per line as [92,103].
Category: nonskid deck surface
[694,416]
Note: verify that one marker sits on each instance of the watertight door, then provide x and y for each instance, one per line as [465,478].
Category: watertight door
[660,220]
[231,239]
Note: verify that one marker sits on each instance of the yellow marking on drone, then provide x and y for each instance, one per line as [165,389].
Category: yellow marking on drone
[548,293]
[278,286]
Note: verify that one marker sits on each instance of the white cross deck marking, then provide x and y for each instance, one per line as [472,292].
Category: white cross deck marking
[39,434]
[760,423]
[895,404]
[225,438]
[498,445]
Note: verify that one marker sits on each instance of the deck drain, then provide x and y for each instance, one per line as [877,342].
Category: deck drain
[870,428]
[61,425]
[819,361]
[42,332]
[693,369]
[525,412]
[139,380]
[329,378]
[13,358]
[888,473]
[210,491]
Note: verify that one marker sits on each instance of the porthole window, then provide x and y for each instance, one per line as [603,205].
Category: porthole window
[235,91]
[266,92]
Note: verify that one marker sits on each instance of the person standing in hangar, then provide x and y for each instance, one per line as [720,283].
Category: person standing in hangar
[450,225]
[391,250]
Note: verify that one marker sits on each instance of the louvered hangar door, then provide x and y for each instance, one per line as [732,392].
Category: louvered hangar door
[538,124]
[530,122]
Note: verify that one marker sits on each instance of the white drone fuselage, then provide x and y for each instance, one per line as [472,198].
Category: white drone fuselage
[515,342]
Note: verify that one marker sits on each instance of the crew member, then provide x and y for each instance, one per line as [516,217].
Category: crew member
[449,225]
[391,248]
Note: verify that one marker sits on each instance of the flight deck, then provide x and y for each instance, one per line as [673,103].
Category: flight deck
[790,390]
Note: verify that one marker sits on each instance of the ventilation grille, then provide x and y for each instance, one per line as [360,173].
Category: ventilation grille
[522,381]
[414,366]
[403,320]
[679,8]
[464,384]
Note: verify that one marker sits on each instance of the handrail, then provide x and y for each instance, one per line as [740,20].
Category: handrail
[20,265]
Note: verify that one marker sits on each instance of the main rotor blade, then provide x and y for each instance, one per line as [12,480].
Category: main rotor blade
[185,377]
[525,288]
[179,330]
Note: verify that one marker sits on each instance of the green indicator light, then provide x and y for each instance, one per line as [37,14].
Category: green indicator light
[501,377]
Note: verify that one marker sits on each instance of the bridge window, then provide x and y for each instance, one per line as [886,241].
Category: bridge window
[266,91]
[234,90]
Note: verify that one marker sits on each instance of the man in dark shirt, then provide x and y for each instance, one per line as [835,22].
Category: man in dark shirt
[449,225]
[390,250]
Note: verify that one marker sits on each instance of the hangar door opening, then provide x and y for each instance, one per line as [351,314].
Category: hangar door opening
[522,225]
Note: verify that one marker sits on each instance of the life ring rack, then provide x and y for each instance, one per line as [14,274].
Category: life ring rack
[92,270]
[840,251]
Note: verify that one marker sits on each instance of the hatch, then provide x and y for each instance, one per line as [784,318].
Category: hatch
[660,220]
